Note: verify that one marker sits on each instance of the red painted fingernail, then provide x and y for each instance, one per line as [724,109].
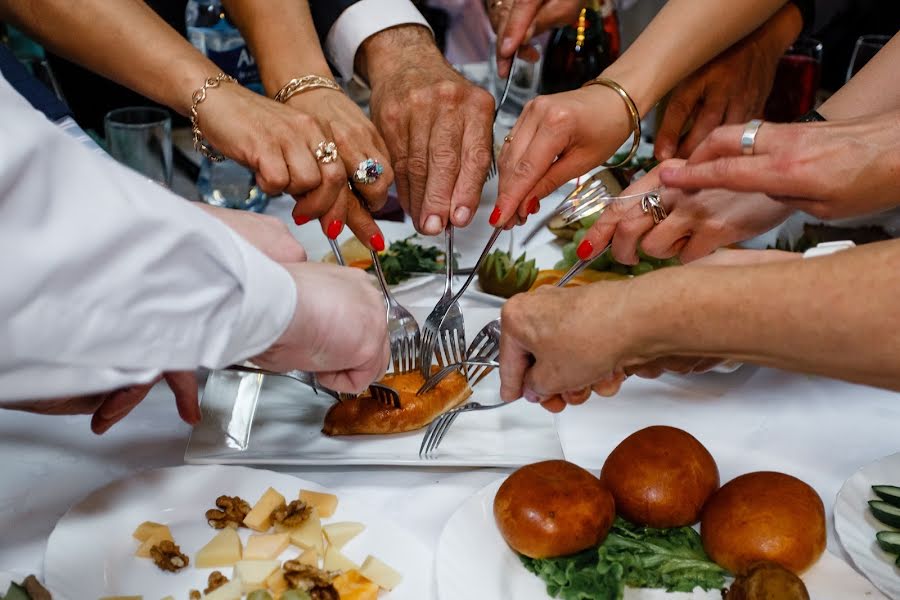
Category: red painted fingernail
[334,228]
[533,205]
[377,242]
[495,216]
[585,249]
[301,219]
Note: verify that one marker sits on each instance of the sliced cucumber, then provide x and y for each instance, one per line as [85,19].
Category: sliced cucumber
[888,493]
[16,592]
[886,513]
[889,541]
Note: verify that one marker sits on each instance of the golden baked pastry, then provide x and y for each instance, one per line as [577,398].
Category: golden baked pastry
[363,415]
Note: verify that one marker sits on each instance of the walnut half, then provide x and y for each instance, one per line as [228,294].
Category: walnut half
[215,581]
[292,515]
[231,512]
[311,579]
[167,556]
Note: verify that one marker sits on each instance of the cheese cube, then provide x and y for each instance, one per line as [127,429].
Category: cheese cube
[229,591]
[335,561]
[169,598]
[266,547]
[148,528]
[276,583]
[309,535]
[353,586]
[260,516]
[338,534]
[222,551]
[253,573]
[309,557]
[144,549]
[380,573]
[122,598]
[326,503]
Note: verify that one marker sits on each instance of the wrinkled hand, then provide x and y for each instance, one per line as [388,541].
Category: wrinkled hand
[732,88]
[109,408]
[517,21]
[338,329]
[698,223]
[342,121]
[437,127]
[266,233]
[829,170]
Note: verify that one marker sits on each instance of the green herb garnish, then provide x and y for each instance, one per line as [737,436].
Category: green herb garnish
[404,258]
[633,556]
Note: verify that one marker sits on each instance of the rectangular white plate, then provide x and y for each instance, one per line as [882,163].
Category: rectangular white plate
[249,419]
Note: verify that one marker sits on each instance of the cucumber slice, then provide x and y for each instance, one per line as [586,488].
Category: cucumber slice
[16,592]
[889,541]
[886,513]
[888,493]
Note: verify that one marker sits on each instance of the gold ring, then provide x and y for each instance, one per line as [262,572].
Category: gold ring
[326,152]
[507,139]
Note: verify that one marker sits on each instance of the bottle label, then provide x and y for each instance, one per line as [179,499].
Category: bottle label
[237,62]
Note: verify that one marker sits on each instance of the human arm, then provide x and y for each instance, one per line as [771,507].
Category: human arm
[830,316]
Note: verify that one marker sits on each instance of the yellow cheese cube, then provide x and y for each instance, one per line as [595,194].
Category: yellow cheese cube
[309,557]
[222,551]
[338,534]
[266,546]
[122,598]
[309,535]
[353,586]
[380,573]
[260,516]
[253,573]
[276,583]
[148,528]
[335,561]
[144,549]
[326,503]
[229,591]
[169,598]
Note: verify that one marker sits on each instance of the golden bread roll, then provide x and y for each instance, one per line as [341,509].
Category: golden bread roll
[363,415]
[660,477]
[764,516]
[553,508]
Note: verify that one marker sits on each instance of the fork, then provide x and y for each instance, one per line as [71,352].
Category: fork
[435,379]
[595,204]
[434,324]
[593,187]
[440,426]
[452,332]
[402,327]
[492,172]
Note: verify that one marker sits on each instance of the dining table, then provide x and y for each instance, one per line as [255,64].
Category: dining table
[815,428]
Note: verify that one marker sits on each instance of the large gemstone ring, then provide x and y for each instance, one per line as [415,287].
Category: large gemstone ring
[368,171]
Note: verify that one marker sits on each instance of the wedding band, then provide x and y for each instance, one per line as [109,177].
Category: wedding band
[326,152]
[748,138]
[495,5]
[507,139]
[651,205]
[368,171]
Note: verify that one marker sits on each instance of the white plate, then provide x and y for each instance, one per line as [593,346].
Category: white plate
[471,549]
[856,527]
[90,552]
[249,419]
[7,577]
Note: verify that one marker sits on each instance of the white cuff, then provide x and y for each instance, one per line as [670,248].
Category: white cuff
[360,22]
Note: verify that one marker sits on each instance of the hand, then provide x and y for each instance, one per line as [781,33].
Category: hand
[338,329]
[517,21]
[436,124]
[697,223]
[342,121]
[732,88]
[109,408]
[557,138]
[829,170]
[266,233]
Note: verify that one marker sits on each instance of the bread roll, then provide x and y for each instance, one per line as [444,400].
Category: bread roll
[764,516]
[553,508]
[660,477]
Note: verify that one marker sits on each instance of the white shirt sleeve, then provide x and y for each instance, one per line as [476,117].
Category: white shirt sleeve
[361,21]
[109,279]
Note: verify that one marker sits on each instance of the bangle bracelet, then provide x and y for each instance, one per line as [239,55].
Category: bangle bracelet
[303,84]
[632,110]
[197,98]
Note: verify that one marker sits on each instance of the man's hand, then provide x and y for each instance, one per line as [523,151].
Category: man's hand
[437,126]
[266,233]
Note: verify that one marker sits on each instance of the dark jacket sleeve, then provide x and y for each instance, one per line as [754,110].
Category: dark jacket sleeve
[326,12]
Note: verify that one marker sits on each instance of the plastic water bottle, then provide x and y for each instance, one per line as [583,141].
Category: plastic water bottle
[227,183]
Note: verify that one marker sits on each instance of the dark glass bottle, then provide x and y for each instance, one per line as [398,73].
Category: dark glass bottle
[577,53]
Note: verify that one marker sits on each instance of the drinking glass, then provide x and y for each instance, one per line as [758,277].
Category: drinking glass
[524,84]
[796,82]
[141,138]
[867,46]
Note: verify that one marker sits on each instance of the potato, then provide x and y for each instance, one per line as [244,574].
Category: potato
[768,581]
[660,477]
[553,508]
[764,516]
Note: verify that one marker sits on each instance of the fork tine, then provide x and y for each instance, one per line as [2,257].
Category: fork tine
[426,439]
[448,422]
[442,425]
[460,345]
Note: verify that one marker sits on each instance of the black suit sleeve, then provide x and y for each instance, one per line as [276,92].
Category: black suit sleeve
[326,12]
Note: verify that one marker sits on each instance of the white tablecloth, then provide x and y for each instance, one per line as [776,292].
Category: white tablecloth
[816,429]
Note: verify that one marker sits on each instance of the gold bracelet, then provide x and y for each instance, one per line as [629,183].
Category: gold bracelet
[197,98]
[632,110]
[303,84]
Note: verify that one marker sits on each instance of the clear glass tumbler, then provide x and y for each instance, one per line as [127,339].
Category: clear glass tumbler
[141,138]
[867,46]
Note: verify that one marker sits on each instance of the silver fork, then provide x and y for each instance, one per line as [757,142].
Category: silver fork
[591,188]
[492,172]
[402,327]
[469,362]
[440,426]
[595,204]
[434,324]
[452,332]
